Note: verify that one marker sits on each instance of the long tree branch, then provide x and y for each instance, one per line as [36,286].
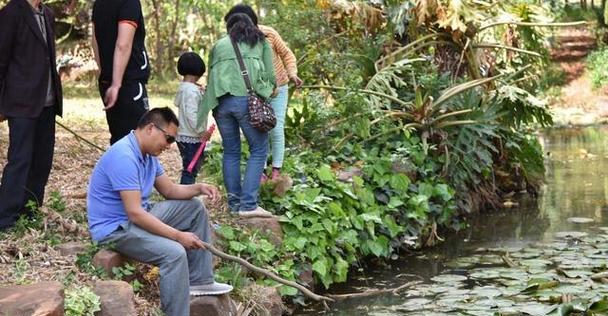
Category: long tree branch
[374,292]
[79,137]
[267,273]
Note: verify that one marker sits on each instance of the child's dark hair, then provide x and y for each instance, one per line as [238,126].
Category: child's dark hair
[190,63]
[241,29]
[242,8]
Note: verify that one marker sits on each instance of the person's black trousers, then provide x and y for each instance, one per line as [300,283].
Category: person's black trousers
[131,104]
[30,158]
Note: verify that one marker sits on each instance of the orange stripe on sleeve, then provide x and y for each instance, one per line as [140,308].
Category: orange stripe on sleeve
[132,23]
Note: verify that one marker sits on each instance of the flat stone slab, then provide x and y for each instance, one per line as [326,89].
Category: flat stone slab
[221,305]
[108,259]
[272,301]
[269,225]
[116,297]
[40,299]
[72,248]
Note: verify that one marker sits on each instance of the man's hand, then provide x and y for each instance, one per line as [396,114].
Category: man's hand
[2,118]
[111,96]
[297,81]
[189,241]
[210,192]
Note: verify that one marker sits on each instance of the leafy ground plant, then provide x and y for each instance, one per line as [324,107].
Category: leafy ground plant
[597,64]
[81,301]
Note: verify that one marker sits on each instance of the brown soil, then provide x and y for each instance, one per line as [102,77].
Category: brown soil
[577,96]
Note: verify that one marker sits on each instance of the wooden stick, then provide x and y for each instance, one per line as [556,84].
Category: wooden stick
[79,137]
[267,273]
[374,292]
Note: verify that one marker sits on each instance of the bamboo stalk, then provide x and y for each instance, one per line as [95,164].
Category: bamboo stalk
[556,24]
[406,47]
[267,273]
[454,113]
[403,103]
[450,92]
[395,129]
[511,48]
[455,123]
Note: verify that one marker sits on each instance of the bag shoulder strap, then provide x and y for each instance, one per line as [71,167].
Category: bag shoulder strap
[244,71]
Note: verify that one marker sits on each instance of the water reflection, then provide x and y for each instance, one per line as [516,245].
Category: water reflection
[576,186]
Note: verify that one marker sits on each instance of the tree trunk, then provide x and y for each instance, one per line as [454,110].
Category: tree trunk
[604,13]
[157,5]
[172,37]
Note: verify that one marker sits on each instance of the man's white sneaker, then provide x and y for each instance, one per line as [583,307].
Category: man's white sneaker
[214,288]
[257,212]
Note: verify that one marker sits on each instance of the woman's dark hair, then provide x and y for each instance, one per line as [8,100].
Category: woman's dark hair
[241,29]
[160,116]
[242,8]
[190,63]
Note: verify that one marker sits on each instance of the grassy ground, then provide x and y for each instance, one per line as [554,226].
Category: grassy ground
[28,253]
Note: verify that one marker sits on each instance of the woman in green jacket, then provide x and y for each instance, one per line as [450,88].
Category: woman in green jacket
[226,96]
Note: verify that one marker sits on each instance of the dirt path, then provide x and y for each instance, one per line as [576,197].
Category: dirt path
[578,103]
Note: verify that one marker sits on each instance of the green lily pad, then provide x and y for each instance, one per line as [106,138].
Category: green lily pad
[487,273]
[486,291]
[415,304]
[447,278]
[570,234]
[464,262]
[526,255]
[576,273]
[536,262]
[580,220]
[537,309]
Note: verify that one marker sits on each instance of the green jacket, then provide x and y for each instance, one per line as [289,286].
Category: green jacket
[225,75]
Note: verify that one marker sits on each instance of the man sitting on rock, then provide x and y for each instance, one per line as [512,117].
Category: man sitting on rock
[167,234]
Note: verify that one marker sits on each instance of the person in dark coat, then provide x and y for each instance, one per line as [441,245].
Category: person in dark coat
[30,97]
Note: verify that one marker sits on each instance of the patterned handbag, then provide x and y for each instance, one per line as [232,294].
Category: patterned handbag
[261,114]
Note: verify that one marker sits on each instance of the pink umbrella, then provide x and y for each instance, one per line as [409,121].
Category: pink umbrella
[198,153]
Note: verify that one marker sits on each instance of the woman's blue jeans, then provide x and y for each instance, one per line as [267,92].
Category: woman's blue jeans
[231,115]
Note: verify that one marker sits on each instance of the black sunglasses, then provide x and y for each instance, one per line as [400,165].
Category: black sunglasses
[170,138]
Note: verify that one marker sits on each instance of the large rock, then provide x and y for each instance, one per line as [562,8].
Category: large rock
[116,298]
[347,175]
[40,299]
[221,305]
[269,225]
[306,277]
[71,248]
[108,259]
[281,184]
[271,301]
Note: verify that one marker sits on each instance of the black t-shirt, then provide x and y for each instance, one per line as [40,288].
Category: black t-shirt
[107,14]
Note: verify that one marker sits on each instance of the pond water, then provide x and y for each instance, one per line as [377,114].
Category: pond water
[454,273]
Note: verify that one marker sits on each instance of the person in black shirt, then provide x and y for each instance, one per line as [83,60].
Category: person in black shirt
[118,44]
[30,97]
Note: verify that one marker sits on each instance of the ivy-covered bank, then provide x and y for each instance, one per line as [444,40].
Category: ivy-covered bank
[416,114]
